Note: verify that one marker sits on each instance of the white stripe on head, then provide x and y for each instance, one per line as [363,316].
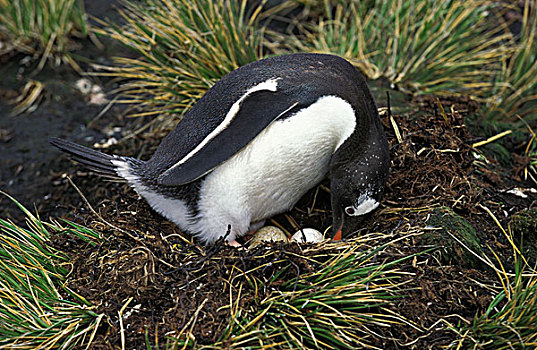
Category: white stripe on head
[364,205]
[269,85]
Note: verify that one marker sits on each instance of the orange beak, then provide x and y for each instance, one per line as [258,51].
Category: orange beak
[337,237]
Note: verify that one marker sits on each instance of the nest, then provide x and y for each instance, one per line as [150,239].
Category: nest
[154,283]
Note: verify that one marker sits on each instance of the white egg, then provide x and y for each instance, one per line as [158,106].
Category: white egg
[267,234]
[307,235]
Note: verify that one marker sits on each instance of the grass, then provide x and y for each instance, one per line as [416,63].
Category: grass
[42,28]
[509,322]
[516,93]
[36,309]
[422,46]
[440,47]
[336,306]
[184,47]
[510,319]
[344,301]
[456,47]
[435,47]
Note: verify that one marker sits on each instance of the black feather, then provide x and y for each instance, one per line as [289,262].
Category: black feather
[96,161]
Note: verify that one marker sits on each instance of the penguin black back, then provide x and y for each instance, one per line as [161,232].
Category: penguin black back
[301,79]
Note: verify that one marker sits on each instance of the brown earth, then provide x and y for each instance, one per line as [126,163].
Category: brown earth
[146,268]
[167,283]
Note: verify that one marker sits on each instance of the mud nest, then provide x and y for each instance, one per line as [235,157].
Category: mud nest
[159,282]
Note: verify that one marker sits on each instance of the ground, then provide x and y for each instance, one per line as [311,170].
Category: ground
[439,186]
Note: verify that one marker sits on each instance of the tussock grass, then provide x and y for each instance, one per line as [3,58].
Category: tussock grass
[516,93]
[184,47]
[36,309]
[510,324]
[41,28]
[423,46]
[338,305]
[510,319]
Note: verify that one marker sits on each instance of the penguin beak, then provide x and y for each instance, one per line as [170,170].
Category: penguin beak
[337,237]
[345,225]
[337,225]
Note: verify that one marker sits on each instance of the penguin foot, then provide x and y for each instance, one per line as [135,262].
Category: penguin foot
[234,243]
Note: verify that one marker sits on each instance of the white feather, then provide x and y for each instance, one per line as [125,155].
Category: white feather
[365,204]
[269,175]
[171,208]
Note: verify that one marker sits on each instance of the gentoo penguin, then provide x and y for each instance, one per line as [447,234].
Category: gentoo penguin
[256,142]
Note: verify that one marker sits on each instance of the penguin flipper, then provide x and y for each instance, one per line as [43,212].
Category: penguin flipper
[255,113]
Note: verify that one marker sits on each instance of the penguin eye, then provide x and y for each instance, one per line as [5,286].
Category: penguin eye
[351,211]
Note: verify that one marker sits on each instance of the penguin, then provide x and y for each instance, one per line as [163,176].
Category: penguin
[255,143]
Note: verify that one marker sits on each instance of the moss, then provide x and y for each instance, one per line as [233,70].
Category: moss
[453,230]
[497,151]
[523,226]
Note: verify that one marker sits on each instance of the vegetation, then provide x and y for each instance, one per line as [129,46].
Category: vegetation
[517,82]
[509,321]
[333,306]
[434,46]
[41,28]
[36,309]
[442,47]
[184,47]
[455,47]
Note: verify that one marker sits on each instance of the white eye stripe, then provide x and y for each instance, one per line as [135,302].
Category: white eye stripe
[350,211]
[365,206]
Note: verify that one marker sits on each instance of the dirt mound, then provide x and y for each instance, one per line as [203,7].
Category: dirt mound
[161,283]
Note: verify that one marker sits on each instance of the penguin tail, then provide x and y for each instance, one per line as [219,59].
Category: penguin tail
[110,166]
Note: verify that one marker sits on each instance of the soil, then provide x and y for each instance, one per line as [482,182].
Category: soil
[146,268]
[160,277]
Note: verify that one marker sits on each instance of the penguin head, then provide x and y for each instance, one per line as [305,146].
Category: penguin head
[356,190]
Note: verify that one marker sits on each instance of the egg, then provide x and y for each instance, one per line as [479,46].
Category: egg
[307,235]
[267,234]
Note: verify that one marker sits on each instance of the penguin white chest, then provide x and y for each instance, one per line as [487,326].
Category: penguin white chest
[277,167]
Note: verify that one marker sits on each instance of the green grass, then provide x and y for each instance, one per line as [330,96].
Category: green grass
[36,309]
[516,93]
[426,46]
[184,47]
[451,47]
[338,305]
[335,305]
[422,46]
[343,303]
[42,28]
[510,320]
